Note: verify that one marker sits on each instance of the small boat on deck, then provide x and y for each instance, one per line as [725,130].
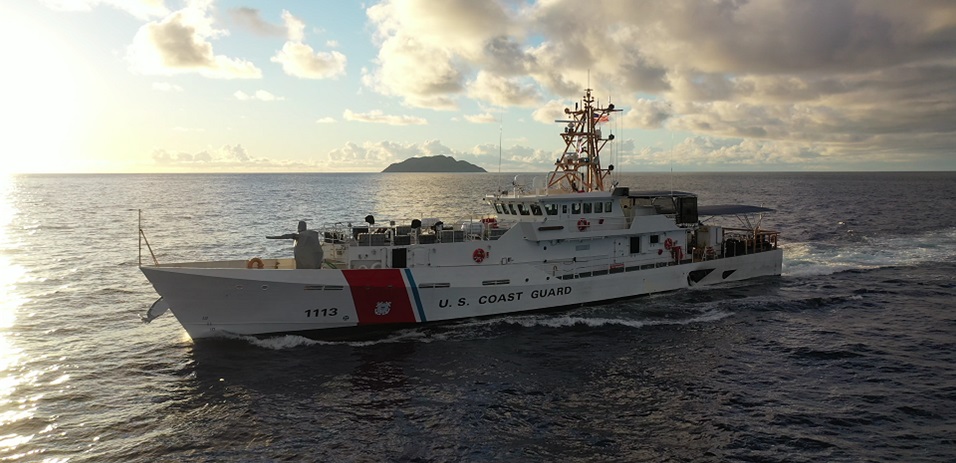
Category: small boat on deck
[570,242]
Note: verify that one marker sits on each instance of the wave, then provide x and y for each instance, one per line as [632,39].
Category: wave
[819,258]
[472,329]
[292,341]
[568,321]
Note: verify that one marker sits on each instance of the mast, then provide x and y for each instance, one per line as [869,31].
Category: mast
[579,168]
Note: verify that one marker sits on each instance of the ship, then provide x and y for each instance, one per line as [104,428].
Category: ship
[577,239]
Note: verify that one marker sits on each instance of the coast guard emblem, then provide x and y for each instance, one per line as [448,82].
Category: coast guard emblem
[383,308]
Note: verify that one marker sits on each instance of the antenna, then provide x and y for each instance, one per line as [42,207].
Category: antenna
[672,167]
[500,124]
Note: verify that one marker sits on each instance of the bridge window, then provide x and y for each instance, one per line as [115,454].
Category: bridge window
[587,208]
[498,208]
[575,208]
[551,209]
[607,206]
[655,239]
[522,209]
[511,206]
[598,208]
[564,208]
[535,209]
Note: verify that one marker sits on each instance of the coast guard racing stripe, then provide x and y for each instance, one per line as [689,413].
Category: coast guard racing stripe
[380,296]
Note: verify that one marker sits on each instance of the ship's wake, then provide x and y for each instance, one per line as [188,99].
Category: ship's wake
[825,258]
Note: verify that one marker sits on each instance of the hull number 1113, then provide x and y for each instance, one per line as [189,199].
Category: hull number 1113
[331,312]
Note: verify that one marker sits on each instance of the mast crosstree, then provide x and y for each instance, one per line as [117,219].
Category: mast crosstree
[579,168]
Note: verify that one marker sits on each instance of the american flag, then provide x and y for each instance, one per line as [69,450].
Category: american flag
[600,118]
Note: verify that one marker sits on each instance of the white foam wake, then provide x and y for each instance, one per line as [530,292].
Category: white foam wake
[808,259]
[570,321]
[478,328]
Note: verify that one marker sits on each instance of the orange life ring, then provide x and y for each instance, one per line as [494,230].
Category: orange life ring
[668,244]
[255,262]
[478,255]
[583,224]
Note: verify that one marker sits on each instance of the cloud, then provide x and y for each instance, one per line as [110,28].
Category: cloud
[325,120]
[249,18]
[427,49]
[226,155]
[375,155]
[295,28]
[550,112]
[300,60]
[837,78]
[166,87]
[647,114]
[372,154]
[484,118]
[181,43]
[142,9]
[227,158]
[502,91]
[260,95]
[377,116]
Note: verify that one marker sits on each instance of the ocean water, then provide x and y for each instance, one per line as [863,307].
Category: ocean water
[849,356]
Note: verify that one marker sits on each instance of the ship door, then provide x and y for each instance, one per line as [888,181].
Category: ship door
[399,257]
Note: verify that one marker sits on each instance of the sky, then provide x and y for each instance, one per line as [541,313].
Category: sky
[343,86]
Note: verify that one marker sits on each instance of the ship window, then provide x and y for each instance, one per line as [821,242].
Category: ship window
[607,206]
[598,208]
[551,209]
[655,239]
[522,209]
[576,208]
[498,207]
[511,206]
[564,208]
[587,208]
[535,209]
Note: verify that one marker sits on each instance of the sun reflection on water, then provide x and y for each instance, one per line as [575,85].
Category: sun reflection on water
[11,357]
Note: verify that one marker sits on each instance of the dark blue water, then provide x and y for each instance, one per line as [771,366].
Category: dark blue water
[849,356]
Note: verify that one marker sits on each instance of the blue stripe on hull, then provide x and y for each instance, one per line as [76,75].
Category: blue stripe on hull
[418,299]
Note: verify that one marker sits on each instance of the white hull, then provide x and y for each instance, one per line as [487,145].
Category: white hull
[213,301]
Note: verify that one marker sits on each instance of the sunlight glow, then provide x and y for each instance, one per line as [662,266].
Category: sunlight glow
[39,93]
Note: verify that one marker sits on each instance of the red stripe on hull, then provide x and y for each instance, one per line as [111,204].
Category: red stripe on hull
[380,296]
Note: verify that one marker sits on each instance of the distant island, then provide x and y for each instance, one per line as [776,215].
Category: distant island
[438,163]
